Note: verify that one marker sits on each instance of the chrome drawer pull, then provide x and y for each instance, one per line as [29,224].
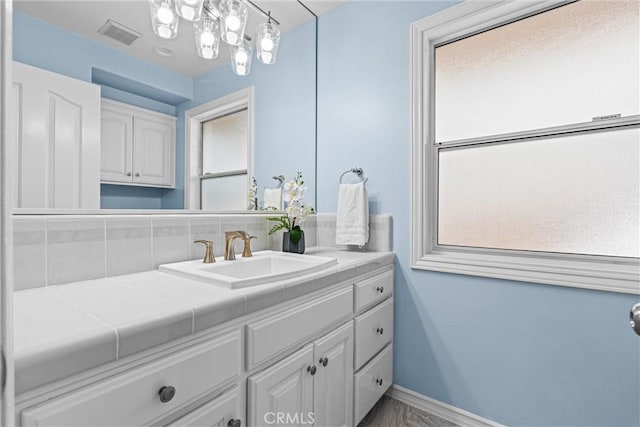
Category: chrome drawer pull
[380,289]
[379,381]
[234,423]
[380,331]
[166,393]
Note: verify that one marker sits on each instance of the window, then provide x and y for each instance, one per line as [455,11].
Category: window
[223,178]
[219,152]
[527,142]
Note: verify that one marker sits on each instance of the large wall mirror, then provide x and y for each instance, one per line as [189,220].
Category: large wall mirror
[112,46]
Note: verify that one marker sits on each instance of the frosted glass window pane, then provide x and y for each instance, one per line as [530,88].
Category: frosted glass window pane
[576,194]
[224,143]
[224,193]
[564,66]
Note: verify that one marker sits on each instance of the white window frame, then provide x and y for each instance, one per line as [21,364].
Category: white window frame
[193,119]
[590,272]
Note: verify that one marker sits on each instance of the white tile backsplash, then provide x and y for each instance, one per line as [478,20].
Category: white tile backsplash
[128,244]
[75,249]
[56,249]
[29,253]
[205,227]
[170,239]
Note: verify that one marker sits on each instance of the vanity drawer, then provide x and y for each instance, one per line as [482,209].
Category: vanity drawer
[373,290]
[270,336]
[221,411]
[133,398]
[372,382]
[374,330]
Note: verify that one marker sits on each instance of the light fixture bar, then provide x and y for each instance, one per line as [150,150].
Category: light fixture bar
[259,9]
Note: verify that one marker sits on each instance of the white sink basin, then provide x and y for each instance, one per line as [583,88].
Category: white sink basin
[262,268]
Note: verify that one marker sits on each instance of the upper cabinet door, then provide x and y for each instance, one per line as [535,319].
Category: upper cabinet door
[153,151]
[284,389]
[333,383]
[58,140]
[116,146]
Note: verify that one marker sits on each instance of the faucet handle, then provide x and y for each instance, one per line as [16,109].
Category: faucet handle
[208,254]
[247,246]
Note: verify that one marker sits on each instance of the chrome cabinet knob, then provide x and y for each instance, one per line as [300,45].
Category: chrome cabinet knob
[379,381]
[312,369]
[234,423]
[324,361]
[128,173]
[380,331]
[634,318]
[137,173]
[380,289]
[166,393]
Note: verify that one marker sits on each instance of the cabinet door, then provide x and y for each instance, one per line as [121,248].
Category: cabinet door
[58,140]
[223,411]
[115,146]
[283,393]
[333,383]
[153,151]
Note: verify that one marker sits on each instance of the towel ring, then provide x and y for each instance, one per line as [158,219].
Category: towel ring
[355,171]
[280,179]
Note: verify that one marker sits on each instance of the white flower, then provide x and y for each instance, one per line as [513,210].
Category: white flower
[293,192]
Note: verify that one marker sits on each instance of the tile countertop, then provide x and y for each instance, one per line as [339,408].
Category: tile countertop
[66,329]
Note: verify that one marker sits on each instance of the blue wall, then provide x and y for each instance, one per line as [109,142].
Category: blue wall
[284,122]
[520,354]
[147,85]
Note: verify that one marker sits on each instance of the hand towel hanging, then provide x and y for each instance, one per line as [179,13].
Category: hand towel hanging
[352,219]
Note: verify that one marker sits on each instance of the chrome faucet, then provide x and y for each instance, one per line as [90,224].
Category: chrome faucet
[229,237]
[208,254]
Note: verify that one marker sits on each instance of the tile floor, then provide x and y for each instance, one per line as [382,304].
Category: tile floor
[389,412]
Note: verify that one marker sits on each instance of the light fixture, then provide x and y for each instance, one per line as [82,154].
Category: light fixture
[267,40]
[233,20]
[207,33]
[191,10]
[241,57]
[163,18]
[211,22]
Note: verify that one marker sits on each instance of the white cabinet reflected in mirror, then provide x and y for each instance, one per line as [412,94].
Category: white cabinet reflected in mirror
[150,167]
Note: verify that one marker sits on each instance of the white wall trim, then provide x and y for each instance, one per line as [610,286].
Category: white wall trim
[7,171]
[586,272]
[440,409]
[193,119]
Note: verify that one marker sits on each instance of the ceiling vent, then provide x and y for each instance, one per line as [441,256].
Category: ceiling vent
[119,32]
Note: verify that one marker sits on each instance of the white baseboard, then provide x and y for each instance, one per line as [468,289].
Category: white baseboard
[445,411]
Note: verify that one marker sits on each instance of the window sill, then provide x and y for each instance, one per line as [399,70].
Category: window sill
[622,278]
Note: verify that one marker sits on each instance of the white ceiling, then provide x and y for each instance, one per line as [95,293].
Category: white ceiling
[85,17]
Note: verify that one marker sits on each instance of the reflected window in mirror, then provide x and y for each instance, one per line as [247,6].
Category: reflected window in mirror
[224,176]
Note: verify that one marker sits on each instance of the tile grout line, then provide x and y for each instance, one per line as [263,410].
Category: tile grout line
[84,310]
[104,225]
[46,253]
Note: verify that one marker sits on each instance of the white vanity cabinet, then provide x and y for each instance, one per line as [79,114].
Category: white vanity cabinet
[57,140]
[148,393]
[223,411]
[314,385]
[137,146]
[322,359]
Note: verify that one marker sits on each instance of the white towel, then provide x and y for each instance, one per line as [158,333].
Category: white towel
[352,219]
[273,198]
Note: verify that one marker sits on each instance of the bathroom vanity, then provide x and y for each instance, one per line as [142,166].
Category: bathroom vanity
[310,350]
